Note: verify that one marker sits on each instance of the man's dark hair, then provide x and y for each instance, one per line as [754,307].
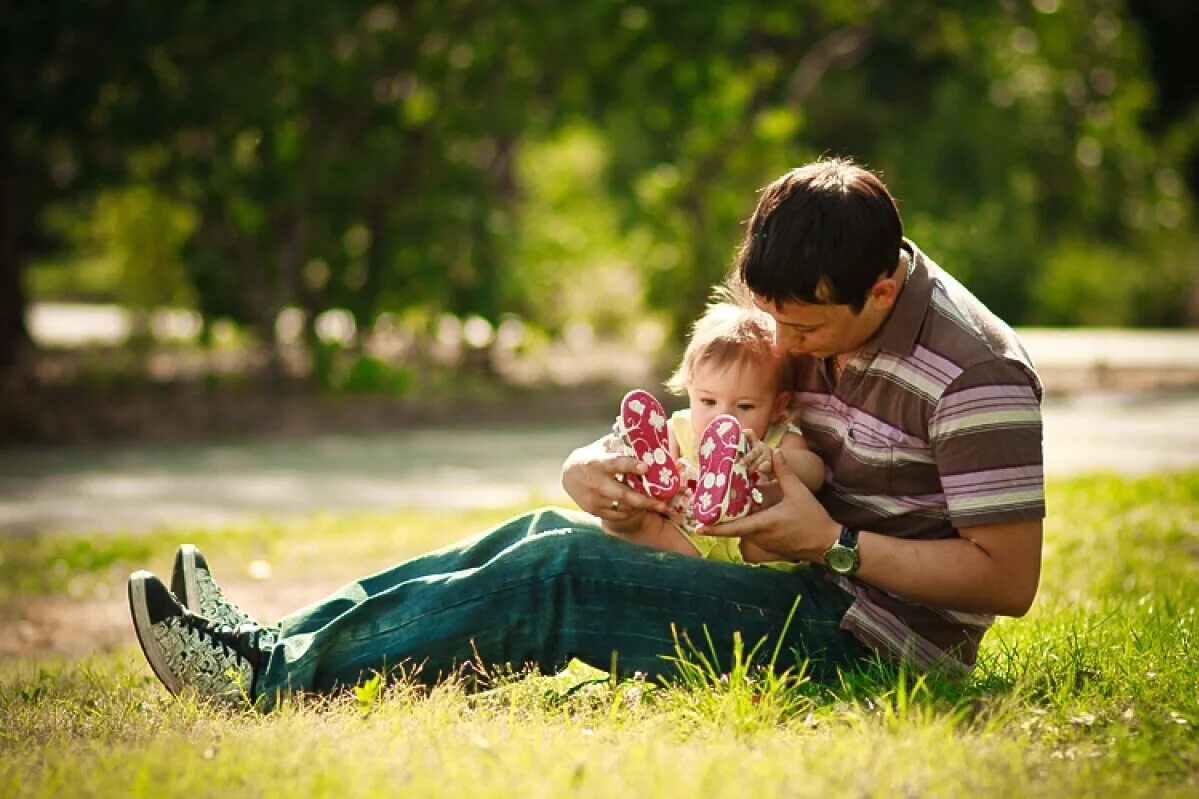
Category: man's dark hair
[821,234]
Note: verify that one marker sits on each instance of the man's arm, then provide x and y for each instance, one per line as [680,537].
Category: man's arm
[991,569]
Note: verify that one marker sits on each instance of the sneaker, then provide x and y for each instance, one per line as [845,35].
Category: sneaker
[193,586]
[640,430]
[187,651]
[724,491]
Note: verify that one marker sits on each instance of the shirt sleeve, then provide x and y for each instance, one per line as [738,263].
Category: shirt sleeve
[986,437]
[777,431]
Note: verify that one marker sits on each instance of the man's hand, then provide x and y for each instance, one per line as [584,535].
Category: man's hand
[589,477]
[796,528]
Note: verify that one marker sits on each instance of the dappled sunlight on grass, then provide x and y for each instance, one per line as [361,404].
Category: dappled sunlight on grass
[295,549]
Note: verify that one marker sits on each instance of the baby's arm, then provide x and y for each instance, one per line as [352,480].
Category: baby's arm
[754,553]
[806,464]
[652,530]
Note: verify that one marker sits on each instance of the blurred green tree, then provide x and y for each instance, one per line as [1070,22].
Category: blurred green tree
[82,86]
[1003,128]
[356,156]
[470,157]
[142,234]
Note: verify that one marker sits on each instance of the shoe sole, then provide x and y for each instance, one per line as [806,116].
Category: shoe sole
[183,578]
[140,612]
[640,435]
[722,442]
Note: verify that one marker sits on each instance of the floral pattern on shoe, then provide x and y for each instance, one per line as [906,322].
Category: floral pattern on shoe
[640,430]
[724,489]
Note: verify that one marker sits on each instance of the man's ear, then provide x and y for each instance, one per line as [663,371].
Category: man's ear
[884,292]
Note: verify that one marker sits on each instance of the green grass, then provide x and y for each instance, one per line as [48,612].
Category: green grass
[1093,694]
[82,566]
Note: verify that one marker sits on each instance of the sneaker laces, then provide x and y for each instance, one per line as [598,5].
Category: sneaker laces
[244,641]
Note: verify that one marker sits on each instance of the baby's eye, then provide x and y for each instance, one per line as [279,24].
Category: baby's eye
[746,406]
[708,401]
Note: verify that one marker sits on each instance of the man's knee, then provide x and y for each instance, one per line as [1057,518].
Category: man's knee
[556,520]
[590,553]
[568,551]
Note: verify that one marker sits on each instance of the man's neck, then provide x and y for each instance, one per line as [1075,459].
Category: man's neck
[902,270]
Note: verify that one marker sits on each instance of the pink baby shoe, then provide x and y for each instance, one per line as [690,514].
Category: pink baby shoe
[641,430]
[725,490]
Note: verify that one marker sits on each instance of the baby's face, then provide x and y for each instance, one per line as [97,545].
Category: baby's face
[746,391]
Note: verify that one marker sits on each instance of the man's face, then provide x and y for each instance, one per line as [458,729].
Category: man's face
[823,331]
[817,330]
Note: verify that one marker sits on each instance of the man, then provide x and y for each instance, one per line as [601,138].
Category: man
[922,405]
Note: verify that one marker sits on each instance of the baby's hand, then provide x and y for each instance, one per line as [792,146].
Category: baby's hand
[758,459]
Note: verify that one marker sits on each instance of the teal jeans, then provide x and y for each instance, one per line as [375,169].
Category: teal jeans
[541,589]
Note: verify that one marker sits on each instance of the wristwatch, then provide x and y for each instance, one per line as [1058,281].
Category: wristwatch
[842,556]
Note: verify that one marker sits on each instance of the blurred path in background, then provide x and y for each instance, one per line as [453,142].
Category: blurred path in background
[146,486]
[1118,400]
[141,486]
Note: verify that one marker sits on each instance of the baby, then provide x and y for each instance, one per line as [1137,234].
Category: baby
[707,459]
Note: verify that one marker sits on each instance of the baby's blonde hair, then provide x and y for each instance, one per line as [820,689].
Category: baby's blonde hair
[730,332]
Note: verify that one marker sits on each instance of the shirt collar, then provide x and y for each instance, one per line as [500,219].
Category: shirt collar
[902,327]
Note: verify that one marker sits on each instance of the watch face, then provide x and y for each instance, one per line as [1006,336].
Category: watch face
[839,559]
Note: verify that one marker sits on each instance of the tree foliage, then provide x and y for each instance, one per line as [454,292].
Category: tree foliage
[576,160]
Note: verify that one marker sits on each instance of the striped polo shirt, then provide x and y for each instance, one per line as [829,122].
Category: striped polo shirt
[934,425]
